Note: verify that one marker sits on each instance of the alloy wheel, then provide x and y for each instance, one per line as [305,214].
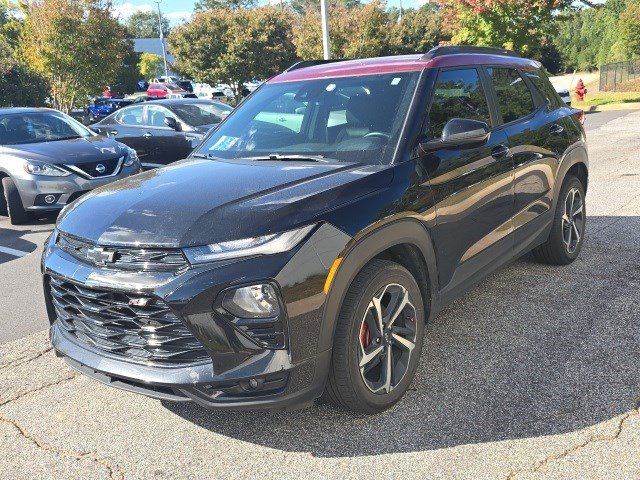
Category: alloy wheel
[573,220]
[387,338]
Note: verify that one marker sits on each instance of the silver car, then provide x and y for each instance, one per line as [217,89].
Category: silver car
[48,159]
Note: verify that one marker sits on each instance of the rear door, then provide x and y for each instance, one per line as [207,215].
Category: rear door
[472,184]
[537,140]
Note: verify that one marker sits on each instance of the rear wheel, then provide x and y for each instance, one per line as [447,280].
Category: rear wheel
[567,233]
[378,339]
[15,209]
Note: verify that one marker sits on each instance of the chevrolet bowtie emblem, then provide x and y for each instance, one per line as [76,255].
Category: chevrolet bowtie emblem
[100,256]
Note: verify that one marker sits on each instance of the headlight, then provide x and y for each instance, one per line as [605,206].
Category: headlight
[255,301]
[263,245]
[132,157]
[44,169]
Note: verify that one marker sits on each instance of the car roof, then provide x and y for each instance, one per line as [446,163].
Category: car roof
[169,102]
[14,110]
[403,63]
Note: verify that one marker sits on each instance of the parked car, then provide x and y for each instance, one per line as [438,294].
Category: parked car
[48,159]
[564,95]
[286,262]
[163,131]
[186,85]
[165,90]
[105,106]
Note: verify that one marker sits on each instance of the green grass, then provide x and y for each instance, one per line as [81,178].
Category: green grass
[606,98]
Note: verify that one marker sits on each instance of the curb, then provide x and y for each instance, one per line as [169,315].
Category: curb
[610,106]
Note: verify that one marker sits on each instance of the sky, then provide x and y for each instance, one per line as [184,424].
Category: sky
[177,11]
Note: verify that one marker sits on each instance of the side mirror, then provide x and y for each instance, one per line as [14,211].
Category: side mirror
[459,131]
[172,123]
[300,110]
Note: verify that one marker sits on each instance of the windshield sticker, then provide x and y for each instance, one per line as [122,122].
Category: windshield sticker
[224,143]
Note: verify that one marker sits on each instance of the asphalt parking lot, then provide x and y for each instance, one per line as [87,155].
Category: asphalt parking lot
[533,374]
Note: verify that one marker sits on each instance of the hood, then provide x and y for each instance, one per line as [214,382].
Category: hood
[198,201]
[76,150]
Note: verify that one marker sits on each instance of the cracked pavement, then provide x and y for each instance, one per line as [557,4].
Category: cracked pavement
[533,374]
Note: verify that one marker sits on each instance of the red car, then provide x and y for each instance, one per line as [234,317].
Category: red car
[165,90]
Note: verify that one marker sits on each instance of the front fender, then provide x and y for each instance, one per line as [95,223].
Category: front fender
[361,250]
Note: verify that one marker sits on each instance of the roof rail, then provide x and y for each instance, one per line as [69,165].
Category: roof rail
[457,49]
[311,63]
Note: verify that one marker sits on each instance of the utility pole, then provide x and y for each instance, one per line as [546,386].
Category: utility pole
[324,13]
[164,48]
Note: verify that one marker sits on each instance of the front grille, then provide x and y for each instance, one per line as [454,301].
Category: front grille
[132,326]
[123,258]
[103,168]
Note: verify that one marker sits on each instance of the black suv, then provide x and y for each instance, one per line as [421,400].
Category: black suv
[301,248]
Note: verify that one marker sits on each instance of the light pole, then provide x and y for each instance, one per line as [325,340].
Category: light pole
[164,48]
[324,13]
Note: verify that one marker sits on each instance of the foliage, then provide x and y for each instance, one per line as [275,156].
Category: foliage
[224,4]
[234,46]
[20,85]
[418,31]
[145,25]
[301,6]
[150,65]
[78,45]
[629,24]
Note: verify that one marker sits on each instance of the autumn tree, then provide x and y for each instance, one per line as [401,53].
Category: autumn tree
[150,65]
[630,30]
[202,5]
[418,30]
[78,45]
[234,46]
[145,25]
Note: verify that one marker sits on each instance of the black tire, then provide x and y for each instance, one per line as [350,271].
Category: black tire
[17,214]
[556,250]
[3,202]
[346,386]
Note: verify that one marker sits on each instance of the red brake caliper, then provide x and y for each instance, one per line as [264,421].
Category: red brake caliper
[365,340]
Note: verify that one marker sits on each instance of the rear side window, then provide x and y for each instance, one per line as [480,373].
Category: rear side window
[457,94]
[513,94]
[541,81]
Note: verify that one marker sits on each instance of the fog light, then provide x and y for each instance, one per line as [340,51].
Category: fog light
[49,199]
[255,301]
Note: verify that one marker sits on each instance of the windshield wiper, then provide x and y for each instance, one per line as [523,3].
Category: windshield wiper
[276,157]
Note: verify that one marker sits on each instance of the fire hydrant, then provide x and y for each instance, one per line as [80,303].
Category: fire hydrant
[580,90]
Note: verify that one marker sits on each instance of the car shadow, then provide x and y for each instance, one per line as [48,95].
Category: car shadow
[534,350]
[13,245]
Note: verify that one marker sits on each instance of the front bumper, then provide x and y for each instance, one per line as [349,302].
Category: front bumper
[32,188]
[237,375]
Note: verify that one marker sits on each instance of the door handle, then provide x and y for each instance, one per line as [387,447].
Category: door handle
[113,133]
[147,135]
[556,129]
[500,151]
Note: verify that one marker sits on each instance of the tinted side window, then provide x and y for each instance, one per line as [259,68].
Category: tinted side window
[457,94]
[541,81]
[156,116]
[514,97]
[130,116]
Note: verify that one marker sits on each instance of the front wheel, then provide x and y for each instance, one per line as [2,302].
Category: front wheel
[378,339]
[15,209]
[567,232]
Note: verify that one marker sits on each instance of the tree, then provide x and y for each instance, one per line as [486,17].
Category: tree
[202,5]
[301,6]
[78,45]
[630,30]
[20,85]
[418,31]
[234,46]
[145,25]
[150,65]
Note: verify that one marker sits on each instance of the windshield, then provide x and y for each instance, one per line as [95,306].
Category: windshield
[36,127]
[356,119]
[198,114]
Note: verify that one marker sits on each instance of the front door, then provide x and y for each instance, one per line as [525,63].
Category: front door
[165,144]
[472,185]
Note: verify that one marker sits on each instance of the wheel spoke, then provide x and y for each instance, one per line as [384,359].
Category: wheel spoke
[388,370]
[367,357]
[578,210]
[375,303]
[399,308]
[576,232]
[567,241]
[408,344]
